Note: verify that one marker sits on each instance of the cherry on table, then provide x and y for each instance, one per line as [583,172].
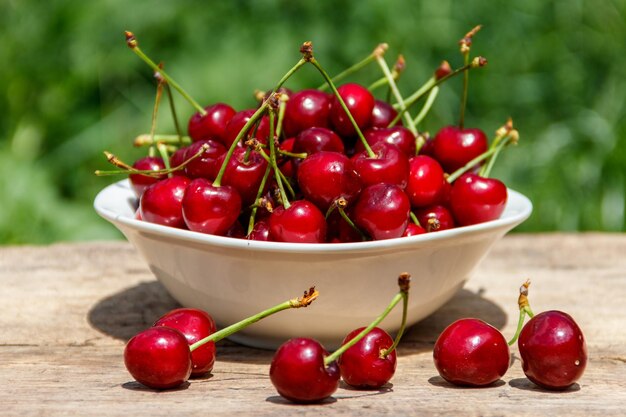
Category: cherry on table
[298,372]
[471,352]
[211,125]
[210,209]
[363,365]
[161,202]
[454,147]
[360,103]
[306,108]
[553,350]
[475,199]
[159,358]
[194,324]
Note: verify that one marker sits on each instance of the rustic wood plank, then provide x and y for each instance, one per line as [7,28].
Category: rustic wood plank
[67,310]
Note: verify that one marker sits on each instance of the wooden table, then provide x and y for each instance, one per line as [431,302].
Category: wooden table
[67,310]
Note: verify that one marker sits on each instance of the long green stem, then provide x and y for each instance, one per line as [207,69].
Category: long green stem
[274,165]
[170,98]
[366,145]
[403,282]
[146,140]
[524,309]
[134,46]
[349,71]
[427,106]
[396,92]
[308,297]
[396,341]
[465,89]
[259,193]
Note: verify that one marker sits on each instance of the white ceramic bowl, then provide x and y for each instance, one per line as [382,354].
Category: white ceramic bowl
[235,278]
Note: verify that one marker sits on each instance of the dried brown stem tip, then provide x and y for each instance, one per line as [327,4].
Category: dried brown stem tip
[443,70]
[307,50]
[506,128]
[479,61]
[404,281]
[158,76]
[522,300]
[131,41]
[466,42]
[380,49]
[308,297]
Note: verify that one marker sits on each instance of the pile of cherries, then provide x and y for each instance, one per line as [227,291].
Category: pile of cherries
[470,352]
[181,345]
[311,166]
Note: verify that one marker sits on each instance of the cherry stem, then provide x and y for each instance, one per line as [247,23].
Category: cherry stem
[394,89]
[427,106]
[504,135]
[259,193]
[414,218]
[396,341]
[170,99]
[165,157]
[524,309]
[340,204]
[146,140]
[132,43]
[304,301]
[155,173]
[274,164]
[397,70]
[284,179]
[465,89]
[366,145]
[157,102]
[349,71]
[403,282]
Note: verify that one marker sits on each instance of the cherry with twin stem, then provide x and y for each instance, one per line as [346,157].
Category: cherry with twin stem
[303,372]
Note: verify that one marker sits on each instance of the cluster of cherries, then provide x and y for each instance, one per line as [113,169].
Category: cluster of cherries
[181,344]
[470,352]
[315,167]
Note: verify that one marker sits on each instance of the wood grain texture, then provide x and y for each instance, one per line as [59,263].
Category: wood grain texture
[67,310]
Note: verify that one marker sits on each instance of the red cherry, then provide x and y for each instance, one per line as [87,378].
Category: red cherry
[244,172]
[210,209]
[206,165]
[412,230]
[553,350]
[213,124]
[428,148]
[340,231]
[237,123]
[317,139]
[360,103]
[454,147]
[195,325]
[178,158]
[435,218]
[305,109]
[162,202]
[302,222]
[382,210]
[298,372]
[426,181]
[362,365]
[325,176]
[390,165]
[475,199]
[158,358]
[471,352]
[286,165]
[140,182]
[260,231]
[397,135]
[383,114]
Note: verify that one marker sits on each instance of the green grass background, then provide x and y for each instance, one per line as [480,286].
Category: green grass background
[69,89]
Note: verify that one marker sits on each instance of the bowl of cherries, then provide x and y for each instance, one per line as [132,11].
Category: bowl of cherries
[331,186]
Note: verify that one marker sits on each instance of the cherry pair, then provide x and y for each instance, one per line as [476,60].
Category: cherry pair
[303,371]
[552,347]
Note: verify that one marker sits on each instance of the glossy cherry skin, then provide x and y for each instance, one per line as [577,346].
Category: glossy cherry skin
[435,218]
[325,176]
[302,222]
[382,210]
[553,350]
[244,172]
[397,135]
[317,139]
[158,358]
[362,365]
[195,325]
[305,109]
[454,147]
[238,121]
[177,159]
[213,124]
[210,209]
[161,203]
[298,372]
[260,231]
[390,166]
[140,182]
[475,199]
[413,229]
[426,181]
[206,165]
[383,114]
[360,103]
[471,352]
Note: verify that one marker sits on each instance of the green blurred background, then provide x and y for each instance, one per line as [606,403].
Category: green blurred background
[69,89]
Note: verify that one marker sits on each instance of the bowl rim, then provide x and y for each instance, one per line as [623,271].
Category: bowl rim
[509,219]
